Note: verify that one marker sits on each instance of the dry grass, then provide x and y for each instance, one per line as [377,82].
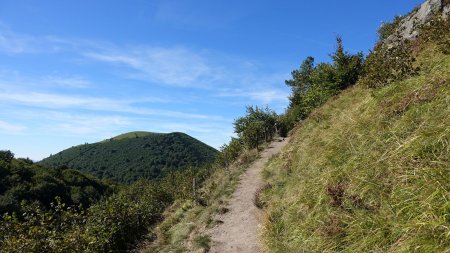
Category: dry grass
[185,221]
[368,172]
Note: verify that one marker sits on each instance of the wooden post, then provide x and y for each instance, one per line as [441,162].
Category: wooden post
[193,187]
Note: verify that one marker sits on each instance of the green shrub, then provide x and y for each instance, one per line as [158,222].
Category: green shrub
[437,31]
[388,63]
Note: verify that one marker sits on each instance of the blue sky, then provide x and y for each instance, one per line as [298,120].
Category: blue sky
[82,71]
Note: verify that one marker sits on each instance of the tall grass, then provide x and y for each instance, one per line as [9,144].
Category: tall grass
[186,221]
[369,171]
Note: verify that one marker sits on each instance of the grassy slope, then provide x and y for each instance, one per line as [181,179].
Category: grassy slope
[368,172]
[135,134]
[185,221]
[128,157]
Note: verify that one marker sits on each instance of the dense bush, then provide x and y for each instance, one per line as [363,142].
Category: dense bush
[21,180]
[437,31]
[112,225]
[256,127]
[230,152]
[388,63]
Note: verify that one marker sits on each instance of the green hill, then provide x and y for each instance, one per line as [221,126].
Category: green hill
[21,180]
[135,134]
[130,156]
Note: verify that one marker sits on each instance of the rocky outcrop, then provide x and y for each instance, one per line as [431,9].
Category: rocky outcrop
[409,26]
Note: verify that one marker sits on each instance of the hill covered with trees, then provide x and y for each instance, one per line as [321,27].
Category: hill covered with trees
[21,180]
[128,157]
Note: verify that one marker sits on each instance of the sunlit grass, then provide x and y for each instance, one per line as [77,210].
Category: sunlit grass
[368,172]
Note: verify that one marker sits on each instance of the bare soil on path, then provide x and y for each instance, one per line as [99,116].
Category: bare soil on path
[239,231]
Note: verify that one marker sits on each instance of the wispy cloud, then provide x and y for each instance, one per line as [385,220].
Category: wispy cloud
[18,43]
[177,66]
[11,128]
[219,75]
[166,66]
[92,106]
[58,101]
[84,124]
[13,43]
[70,82]
[265,95]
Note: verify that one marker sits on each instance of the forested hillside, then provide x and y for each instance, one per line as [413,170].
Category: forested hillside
[131,156]
[23,182]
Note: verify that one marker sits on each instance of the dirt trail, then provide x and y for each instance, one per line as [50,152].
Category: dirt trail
[239,230]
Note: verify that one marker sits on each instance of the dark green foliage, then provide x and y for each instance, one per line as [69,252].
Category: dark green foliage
[111,225]
[230,152]
[312,85]
[256,127]
[301,78]
[388,63]
[6,156]
[129,157]
[21,181]
[437,30]
[395,60]
[346,67]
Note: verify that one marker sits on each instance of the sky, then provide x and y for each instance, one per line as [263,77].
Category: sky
[82,71]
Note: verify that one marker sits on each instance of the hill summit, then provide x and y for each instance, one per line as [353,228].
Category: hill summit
[134,155]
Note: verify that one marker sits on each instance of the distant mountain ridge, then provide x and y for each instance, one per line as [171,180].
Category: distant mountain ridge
[130,156]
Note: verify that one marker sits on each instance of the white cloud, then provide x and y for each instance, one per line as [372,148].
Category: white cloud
[11,128]
[46,100]
[12,42]
[69,82]
[65,105]
[171,66]
[167,66]
[265,95]
[59,101]
[86,124]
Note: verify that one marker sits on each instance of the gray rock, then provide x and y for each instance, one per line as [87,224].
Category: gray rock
[408,28]
[446,11]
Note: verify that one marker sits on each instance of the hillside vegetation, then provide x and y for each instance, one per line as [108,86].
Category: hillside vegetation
[165,213]
[369,170]
[136,155]
[22,182]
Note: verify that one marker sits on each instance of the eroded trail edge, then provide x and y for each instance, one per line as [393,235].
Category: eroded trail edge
[239,230]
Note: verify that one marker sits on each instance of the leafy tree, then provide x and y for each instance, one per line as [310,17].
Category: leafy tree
[347,67]
[256,126]
[312,85]
[6,156]
[21,181]
[301,79]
